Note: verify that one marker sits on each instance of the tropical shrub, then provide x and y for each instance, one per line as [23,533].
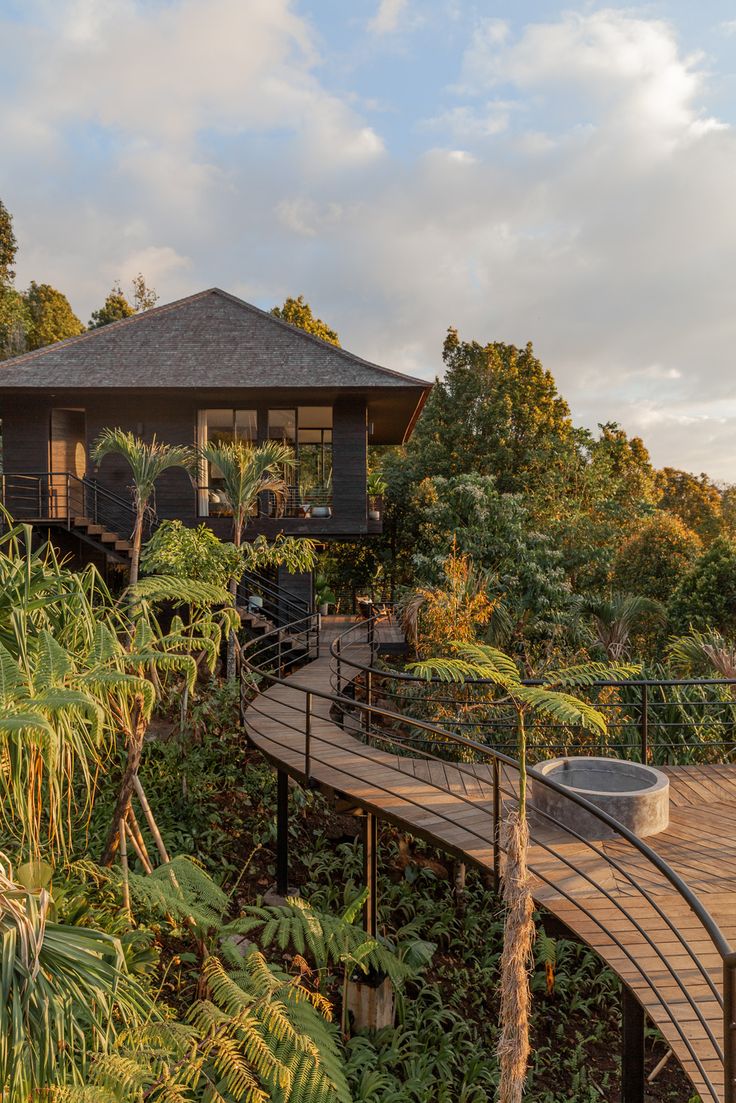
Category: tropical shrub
[194,553]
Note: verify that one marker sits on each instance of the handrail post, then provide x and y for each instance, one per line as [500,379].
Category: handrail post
[40,502]
[68,500]
[644,723]
[308,737]
[368,702]
[338,652]
[371,631]
[282,833]
[632,1048]
[729,1030]
[496,824]
[96,504]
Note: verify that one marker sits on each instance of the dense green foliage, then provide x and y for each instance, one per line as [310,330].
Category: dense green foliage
[706,596]
[654,559]
[496,411]
[8,246]
[196,553]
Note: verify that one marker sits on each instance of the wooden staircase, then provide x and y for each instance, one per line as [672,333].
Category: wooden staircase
[110,541]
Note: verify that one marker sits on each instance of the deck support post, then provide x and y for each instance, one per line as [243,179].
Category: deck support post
[282,833]
[370,873]
[632,1048]
[729,1029]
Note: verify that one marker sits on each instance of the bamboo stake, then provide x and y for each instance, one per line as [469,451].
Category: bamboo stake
[142,858]
[163,853]
[137,834]
[122,835]
[658,1067]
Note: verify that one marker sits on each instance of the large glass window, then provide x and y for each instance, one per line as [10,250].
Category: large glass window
[221,427]
[282,425]
[315,451]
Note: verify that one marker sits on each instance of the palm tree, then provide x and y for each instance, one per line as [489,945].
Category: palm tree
[469,662]
[615,618]
[247,470]
[147,463]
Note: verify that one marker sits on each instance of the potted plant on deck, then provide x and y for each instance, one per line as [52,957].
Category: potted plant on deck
[377,487]
[323,595]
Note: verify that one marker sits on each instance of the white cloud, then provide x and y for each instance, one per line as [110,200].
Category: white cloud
[626,72]
[577,193]
[387,17]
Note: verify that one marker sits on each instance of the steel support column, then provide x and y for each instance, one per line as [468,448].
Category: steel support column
[282,833]
[632,1048]
[370,873]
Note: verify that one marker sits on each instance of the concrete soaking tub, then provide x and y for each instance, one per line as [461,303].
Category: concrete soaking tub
[635,795]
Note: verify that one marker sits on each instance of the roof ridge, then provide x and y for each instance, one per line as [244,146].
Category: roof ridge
[319,341]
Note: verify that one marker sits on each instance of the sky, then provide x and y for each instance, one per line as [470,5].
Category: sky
[523,171]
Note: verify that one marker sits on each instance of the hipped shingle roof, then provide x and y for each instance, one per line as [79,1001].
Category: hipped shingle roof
[210,340]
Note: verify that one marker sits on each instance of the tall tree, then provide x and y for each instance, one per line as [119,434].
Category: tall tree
[144,297]
[605,490]
[147,463]
[297,312]
[13,309]
[114,309]
[50,317]
[496,412]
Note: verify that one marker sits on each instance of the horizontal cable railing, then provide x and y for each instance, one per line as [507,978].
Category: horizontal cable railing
[648,945]
[662,721]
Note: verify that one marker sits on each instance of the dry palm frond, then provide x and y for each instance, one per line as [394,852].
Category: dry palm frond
[516,962]
[703,652]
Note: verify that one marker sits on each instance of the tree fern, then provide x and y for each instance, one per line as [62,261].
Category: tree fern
[262,1036]
[325,939]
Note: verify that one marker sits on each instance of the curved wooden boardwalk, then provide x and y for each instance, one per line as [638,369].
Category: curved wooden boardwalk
[607,893]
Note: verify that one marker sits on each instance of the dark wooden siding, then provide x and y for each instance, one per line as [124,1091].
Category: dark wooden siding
[349,458]
[173,419]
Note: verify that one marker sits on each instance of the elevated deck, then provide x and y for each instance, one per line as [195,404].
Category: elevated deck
[606,892]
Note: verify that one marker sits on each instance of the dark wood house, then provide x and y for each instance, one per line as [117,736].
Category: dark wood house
[207,367]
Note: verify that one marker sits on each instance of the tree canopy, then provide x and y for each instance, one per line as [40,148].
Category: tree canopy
[706,596]
[298,312]
[8,246]
[654,560]
[692,498]
[50,317]
[496,412]
[114,309]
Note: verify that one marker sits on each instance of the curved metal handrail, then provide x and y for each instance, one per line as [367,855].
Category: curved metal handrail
[259,656]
